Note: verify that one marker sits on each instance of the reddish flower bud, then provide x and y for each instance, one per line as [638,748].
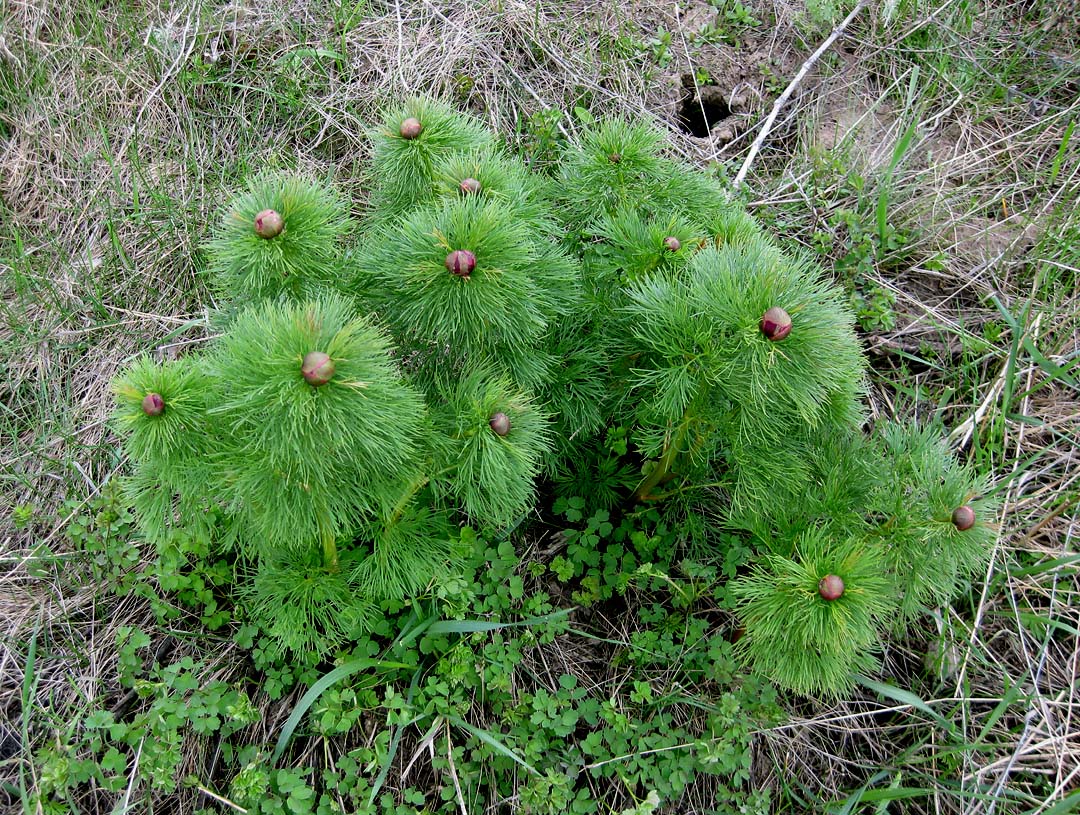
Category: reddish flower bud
[461,262]
[411,128]
[830,587]
[500,424]
[268,224]
[469,186]
[775,324]
[672,244]
[963,518]
[153,404]
[317,368]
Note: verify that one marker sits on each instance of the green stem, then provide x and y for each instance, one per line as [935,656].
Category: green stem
[663,466]
[687,488]
[414,487]
[329,550]
[885,527]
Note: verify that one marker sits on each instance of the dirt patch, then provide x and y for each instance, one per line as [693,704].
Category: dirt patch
[743,81]
[850,118]
[721,77]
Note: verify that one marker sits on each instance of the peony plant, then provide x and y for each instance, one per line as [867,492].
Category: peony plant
[485,326]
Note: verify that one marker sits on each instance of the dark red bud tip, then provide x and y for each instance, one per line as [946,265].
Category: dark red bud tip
[830,587]
[461,262]
[317,368]
[268,224]
[500,424]
[411,128]
[615,158]
[672,244]
[469,186]
[775,324]
[153,404]
[963,518]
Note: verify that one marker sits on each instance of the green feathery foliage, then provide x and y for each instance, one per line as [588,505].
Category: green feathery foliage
[707,379]
[177,433]
[490,474]
[618,169]
[703,200]
[623,327]
[499,178]
[300,457]
[305,608]
[703,330]
[616,166]
[299,262]
[495,315]
[839,473]
[169,441]
[577,392]
[404,168]
[920,486]
[636,247]
[797,637]
[300,461]
[409,545]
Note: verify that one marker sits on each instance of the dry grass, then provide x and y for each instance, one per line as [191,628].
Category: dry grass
[124,127]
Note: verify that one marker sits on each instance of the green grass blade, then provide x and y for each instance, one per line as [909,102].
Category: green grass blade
[320,687]
[1012,695]
[902,146]
[1046,566]
[1033,622]
[906,698]
[1068,804]
[492,742]
[848,804]
[895,794]
[1057,372]
[408,634]
[395,742]
[29,687]
[865,796]
[472,626]
[1018,329]
[1063,148]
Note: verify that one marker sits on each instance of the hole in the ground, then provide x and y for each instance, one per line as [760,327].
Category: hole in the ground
[697,114]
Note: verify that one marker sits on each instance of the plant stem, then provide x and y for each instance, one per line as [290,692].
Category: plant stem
[688,488]
[414,487]
[329,554]
[663,466]
[329,546]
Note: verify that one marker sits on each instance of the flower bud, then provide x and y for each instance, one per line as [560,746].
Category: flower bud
[963,518]
[500,423]
[153,404]
[268,224]
[469,186]
[672,244]
[830,587]
[461,262]
[775,324]
[411,128]
[317,368]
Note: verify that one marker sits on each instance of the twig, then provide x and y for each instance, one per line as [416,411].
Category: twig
[782,100]
[453,772]
[134,775]
[963,432]
[220,799]
[697,89]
